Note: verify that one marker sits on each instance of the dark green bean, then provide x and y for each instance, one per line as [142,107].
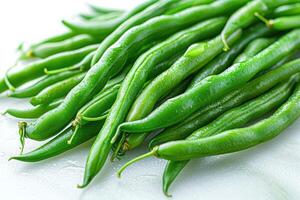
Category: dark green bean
[32,113]
[57,90]
[287,10]
[281,23]
[42,84]
[73,43]
[186,4]
[214,87]
[225,59]
[235,98]
[36,69]
[59,144]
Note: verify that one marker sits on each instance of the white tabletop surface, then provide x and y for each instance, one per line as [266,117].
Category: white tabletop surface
[267,172]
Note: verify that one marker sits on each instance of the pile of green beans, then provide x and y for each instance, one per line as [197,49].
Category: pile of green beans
[198,78]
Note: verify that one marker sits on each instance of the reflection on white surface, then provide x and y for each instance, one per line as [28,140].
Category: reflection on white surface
[269,171]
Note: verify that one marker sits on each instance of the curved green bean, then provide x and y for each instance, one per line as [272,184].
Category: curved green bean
[287,10]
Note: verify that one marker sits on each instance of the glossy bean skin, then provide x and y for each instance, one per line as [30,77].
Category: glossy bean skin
[48,49]
[59,144]
[42,84]
[234,118]
[153,10]
[216,86]
[236,139]
[101,145]
[285,23]
[56,91]
[36,69]
[169,79]
[32,113]
[99,105]
[226,59]
[116,56]
[104,28]
[235,98]
[287,10]
[254,48]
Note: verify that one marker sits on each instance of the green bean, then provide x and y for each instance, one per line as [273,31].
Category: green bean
[287,10]
[115,57]
[154,10]
[196,57]
[214,87]
[236,139]
[234,118]
[98,105]
[109,16]
[73,43]
[56,38]
[103,29]
[82,66]
[235,98]
[254,48]
[169,24]
[32,113]
[36,69]
[42,84]
[57,90]
[225,59]
[281,23]
[59,144]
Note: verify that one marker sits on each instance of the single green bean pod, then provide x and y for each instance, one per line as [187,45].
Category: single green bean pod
[287,10]
[214,87]
[235,98]
[42,84]
[18,77]
[182,5]
[32,113]
[76,42]
[281,23]
[103,10]
[59,144]
[57,90]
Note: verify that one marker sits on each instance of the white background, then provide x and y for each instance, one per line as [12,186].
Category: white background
[269,171]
